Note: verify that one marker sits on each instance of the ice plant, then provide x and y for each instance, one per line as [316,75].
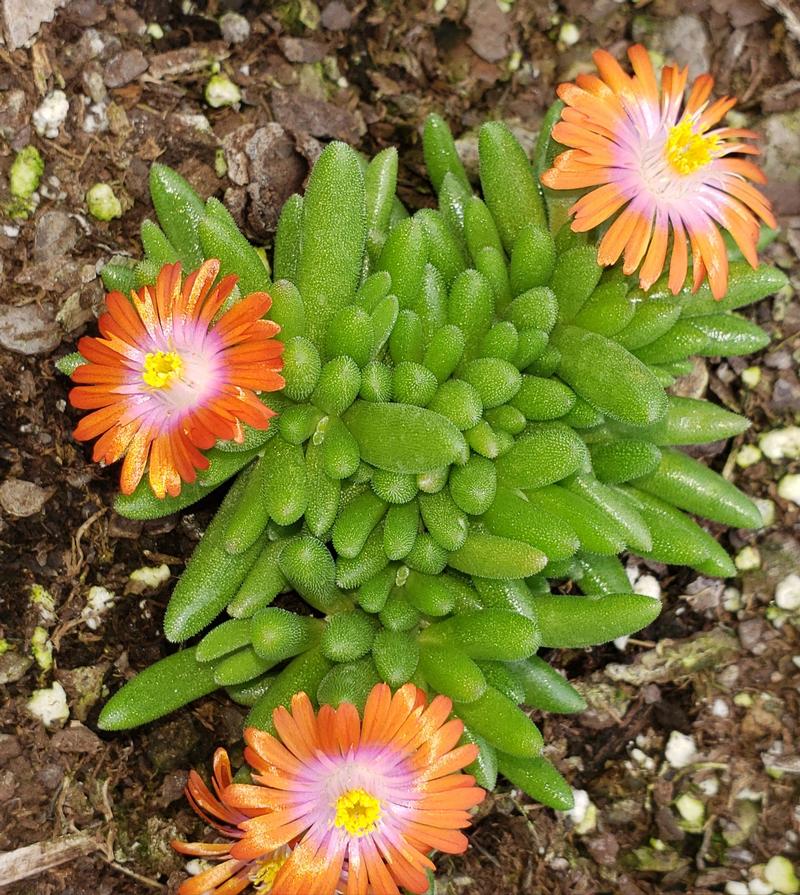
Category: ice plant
[658,158]
[473,410]
[167,379]
[232,875]
[365,801]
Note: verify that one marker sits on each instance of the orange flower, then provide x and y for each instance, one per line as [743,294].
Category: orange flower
[654,158]
[232,875]
[364,801]
[167,380]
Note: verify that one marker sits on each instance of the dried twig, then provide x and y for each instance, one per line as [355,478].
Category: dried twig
[31,860]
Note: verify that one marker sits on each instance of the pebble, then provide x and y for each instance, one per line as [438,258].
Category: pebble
[336,17]
[98,601]
[21,498]
[569,34]
[751,376]
[124,67]
[23,18]
[681,750]
[767,509]
[49,705]
[30,329]
[789,488]
[787,593]
[56,235]
[234,27]
[747,559]
[685,40]
[781,444]
[720,708]
[647,586]
[13,666]
[748,455]
[51,114]
[735,887]
[781,160]
[780,873]
[151,576]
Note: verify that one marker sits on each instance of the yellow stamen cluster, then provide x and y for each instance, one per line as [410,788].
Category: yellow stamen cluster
[686,150]
[358,812]
[264,876]
[161,367]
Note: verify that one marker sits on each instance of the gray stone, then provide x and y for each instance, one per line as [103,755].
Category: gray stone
[13,114]
[781,160]
[23,18]
[20,498]
[13,666]
[56,235]
[29,329]
[336,17]
[124,68]
[685,39]
[234,27]
[490,28]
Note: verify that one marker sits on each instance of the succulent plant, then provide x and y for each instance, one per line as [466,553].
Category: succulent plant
[473,409]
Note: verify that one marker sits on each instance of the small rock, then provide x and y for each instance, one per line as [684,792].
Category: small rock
[172,788]
[781,444]
[685,40]
[604,848]
[220,91]
[76,738]
[336,16]
[83,686]
[748,455]
[753,634]
[20,498]
[56,235]
[781,160]
[299,113]
[13,667]
[491,29]
[98,601]
[23,18]
[124,68]
[13,117]
[197,57]
[569,34]
[151,576]
[789,488]
[301,49]
[51,114]
[234,27]
[681,750]
[49,705]
[787,593]
[786,394]
[30,329]
[780,874]
[748,559]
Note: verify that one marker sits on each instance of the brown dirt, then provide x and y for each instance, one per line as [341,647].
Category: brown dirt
[369,73]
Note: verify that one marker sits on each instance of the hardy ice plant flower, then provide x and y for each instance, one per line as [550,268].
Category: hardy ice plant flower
[231,876]
[167,379]
[658,159]
[362,802]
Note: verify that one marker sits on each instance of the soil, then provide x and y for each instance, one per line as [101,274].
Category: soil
[719,666]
